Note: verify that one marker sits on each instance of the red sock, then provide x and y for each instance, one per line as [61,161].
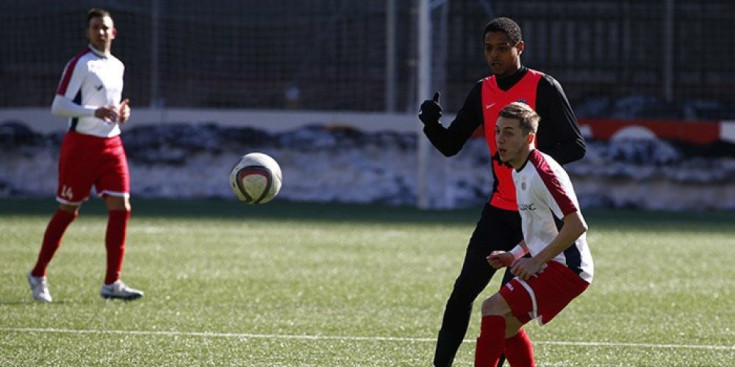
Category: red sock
[518,350]
[117,228]
[490,343]
[52,240]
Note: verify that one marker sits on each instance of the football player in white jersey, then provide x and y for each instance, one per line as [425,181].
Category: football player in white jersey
[92,154]
[559,266]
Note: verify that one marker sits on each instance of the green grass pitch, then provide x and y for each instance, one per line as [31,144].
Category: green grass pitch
[327,285]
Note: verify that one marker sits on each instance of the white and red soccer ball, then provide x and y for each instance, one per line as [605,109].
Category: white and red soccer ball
[256,178]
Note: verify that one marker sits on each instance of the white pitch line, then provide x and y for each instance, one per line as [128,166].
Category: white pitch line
[347,338]
[640,345]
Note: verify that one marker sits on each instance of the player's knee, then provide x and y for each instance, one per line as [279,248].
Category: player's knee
[495,305]
[469,284]
[74,209]
[117,202]
[463,296]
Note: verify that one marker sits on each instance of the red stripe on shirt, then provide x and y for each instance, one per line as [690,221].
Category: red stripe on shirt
[69,71]
[552,182]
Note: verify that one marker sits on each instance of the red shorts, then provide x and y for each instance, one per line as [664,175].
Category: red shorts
[87,161]
[544,295]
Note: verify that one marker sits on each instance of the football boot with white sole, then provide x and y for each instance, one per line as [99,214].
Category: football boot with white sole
[39,288]
[118,290]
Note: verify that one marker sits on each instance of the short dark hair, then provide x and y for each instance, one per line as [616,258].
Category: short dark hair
[524,113]
[506,26]
[97,13]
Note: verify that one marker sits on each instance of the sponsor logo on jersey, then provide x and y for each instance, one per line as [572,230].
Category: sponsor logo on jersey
[526,206]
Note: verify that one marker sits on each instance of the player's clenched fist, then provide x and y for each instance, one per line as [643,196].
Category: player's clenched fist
[500,259]
[124,110]
[107,114]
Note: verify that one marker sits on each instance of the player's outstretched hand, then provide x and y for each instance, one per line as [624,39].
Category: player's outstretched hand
[500,259]
[431,110]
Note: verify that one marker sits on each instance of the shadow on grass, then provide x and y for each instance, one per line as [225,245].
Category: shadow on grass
[235,210]
[368,213]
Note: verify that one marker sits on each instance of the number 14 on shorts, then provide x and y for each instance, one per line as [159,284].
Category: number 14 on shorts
[66,192]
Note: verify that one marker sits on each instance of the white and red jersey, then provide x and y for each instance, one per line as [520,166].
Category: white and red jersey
[545,196]
[90,80]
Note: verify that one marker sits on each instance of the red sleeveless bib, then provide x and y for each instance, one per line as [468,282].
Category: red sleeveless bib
[493,100]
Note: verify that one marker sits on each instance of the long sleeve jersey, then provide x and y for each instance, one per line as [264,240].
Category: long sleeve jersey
[558,135]
[90,80]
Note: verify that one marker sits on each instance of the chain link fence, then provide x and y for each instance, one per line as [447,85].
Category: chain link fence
[655,59]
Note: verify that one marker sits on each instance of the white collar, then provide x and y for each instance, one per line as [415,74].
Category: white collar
[98,52]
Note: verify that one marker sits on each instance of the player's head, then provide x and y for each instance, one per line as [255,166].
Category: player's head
[527,118]
[515,132]
[100,29]
[503,45]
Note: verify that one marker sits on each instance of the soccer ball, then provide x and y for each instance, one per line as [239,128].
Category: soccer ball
[256,178]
